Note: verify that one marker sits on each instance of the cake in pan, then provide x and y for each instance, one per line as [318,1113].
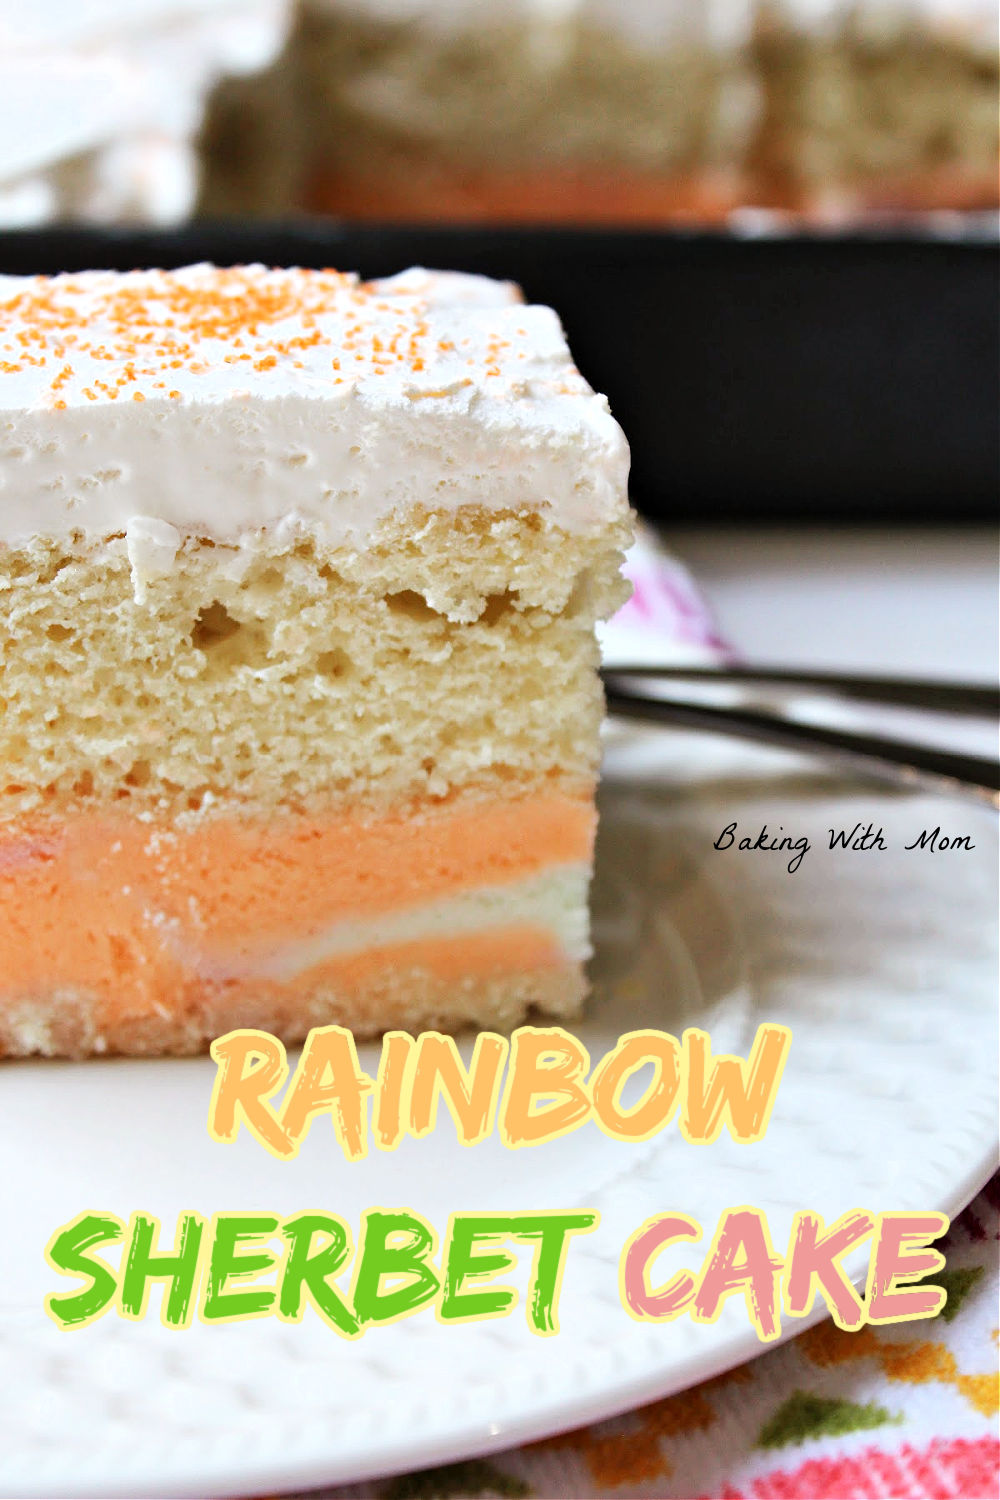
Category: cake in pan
[624,112]
[877,107]
[523,111]
[298,585]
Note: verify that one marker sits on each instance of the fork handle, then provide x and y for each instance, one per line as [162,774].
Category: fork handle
[912,692]
[941,770]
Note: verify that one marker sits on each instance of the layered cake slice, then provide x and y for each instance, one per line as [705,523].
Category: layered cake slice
[298,585]
[622,112]
[521,111]
[877,107]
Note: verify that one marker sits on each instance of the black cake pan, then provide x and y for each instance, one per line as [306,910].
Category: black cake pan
[776,378]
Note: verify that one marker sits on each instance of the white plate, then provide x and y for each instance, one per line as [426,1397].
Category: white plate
[883,965]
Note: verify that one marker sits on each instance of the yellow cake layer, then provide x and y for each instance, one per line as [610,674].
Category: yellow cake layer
[453,652]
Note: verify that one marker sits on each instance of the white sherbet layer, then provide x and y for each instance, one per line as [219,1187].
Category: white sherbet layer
[227,402]
[554,901]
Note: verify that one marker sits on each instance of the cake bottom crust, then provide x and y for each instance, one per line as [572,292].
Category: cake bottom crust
[69,1022]
[434,191]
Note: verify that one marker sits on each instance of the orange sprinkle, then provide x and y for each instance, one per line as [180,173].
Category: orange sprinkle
[143,325]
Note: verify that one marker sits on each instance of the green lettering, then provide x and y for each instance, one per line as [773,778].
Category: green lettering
[66,1253]
[180,1267]
[468,1230]
[548,1232]
[551,1233]
[377,1258]
[309,1272]
[231,1231]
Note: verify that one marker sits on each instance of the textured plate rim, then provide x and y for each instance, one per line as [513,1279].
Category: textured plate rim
[325,1458]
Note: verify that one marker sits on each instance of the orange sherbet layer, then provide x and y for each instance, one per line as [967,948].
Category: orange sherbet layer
[434,191]
[125,909]
[516,949]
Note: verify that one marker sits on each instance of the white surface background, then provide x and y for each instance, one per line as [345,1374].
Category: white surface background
[905,600]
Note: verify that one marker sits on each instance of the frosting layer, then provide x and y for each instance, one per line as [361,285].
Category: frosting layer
[226,401]
[100,102]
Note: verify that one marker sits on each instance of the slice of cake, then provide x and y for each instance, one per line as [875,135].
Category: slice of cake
[885,106]
[298,585]
[614,111]
[598,111]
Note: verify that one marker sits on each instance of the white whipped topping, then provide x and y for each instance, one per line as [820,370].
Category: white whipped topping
[47,24]
[100,102]
[972,21]
[645,23]
[659,23]
[152,547]
[221,403]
